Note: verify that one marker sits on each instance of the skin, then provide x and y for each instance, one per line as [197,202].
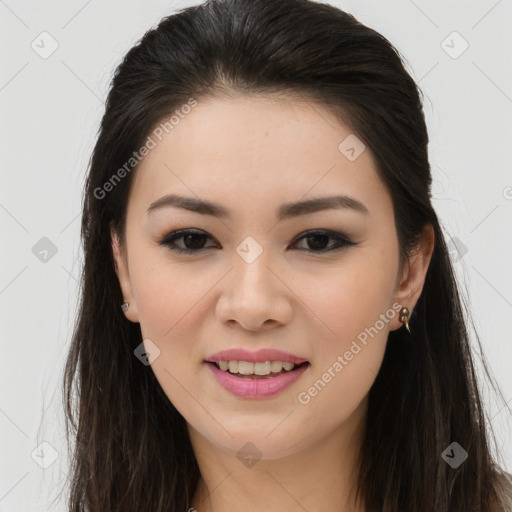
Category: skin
[251,154]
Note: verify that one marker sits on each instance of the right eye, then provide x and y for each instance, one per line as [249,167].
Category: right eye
[193,239]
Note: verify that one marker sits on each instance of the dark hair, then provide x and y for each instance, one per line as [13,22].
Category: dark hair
[132,451]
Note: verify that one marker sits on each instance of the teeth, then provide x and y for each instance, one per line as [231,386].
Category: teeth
[276,366]
[247,368]
[262,368]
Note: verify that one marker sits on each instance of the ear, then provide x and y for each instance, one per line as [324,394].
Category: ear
[409,289]
[121,265]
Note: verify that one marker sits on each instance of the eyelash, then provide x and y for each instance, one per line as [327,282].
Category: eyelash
[342,241]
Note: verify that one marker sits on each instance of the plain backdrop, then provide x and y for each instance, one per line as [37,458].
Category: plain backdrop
[460,53]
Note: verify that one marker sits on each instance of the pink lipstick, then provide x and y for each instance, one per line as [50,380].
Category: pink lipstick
[256,375]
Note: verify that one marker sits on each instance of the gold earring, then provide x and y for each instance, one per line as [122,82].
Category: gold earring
[124,306]
[404,317]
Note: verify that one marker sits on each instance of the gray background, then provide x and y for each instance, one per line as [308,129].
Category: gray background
[51,108]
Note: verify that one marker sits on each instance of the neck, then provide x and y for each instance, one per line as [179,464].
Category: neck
[322,476]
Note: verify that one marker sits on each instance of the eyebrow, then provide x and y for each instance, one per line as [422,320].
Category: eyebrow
[285,211]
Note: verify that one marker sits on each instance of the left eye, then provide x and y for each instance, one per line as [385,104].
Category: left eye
[193,240]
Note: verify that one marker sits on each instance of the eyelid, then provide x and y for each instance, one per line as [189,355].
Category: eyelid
[323,231]
[343,240]
[179,233]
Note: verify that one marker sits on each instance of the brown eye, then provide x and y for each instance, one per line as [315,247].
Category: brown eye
[318,241]
[193,241]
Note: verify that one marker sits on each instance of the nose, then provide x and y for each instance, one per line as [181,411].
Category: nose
[254,296]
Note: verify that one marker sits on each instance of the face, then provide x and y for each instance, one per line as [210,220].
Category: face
[320,285]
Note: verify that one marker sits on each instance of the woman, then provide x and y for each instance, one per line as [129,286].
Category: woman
[269,316]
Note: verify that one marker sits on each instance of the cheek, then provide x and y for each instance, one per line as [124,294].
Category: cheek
[353,299]
[168,302]
[167,295]
[172,303]
[348,364]
[356,307]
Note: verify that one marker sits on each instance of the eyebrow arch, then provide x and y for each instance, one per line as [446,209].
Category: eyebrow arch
[285,211]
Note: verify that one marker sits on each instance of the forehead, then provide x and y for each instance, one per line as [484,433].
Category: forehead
[260,148]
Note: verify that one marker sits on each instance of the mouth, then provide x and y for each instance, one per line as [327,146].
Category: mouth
[257,371]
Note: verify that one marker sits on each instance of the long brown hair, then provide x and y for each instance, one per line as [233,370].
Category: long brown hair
[131,449]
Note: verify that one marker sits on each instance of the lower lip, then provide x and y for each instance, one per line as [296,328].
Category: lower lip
[255,388]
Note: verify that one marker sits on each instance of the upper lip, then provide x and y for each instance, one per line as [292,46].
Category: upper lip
[260,356]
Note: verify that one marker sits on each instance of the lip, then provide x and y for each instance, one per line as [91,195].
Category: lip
[265,354]
[255,388]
